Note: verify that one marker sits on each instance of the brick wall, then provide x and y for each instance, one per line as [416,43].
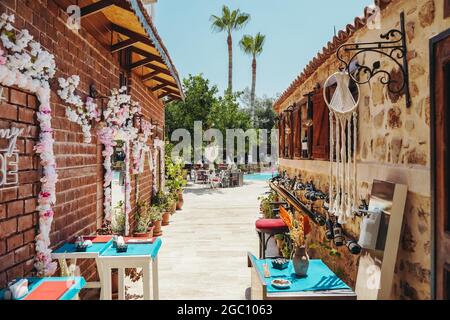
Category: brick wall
[79,208]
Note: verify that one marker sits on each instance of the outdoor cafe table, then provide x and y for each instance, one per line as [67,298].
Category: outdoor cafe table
[69,252]
[143,255]
[64,288]
[320,283]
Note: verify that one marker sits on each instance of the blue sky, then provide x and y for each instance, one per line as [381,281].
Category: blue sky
[295,31]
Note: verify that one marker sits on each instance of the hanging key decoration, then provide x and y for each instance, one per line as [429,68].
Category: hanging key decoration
[343,176]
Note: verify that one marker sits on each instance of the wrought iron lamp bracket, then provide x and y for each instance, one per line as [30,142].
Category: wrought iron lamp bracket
[392,47]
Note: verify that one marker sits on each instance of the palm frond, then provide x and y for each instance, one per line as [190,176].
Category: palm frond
[217,23]
[247,44]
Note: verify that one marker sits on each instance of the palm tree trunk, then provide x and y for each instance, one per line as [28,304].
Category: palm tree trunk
[253,93]
[230,64]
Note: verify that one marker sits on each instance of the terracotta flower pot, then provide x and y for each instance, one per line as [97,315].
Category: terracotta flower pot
[166,219]
[180,202]
[147,235]
[157,228]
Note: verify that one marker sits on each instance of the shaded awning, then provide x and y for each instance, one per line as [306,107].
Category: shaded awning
[126,28]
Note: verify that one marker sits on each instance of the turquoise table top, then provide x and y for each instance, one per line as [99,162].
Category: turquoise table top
[69,248]
[140,250]
[34,283]
[319,278]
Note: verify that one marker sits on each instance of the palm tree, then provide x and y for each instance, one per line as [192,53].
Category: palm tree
[229,21]
[253,46]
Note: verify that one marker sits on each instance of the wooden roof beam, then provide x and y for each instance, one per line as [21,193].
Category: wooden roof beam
[159,87]
[147,54]
[101,5]
[141,63]
[150,76]
[169,83]
[165,94]
[123,45]
[131,34]
[171,91]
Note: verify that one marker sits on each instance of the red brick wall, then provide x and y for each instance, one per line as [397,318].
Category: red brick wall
[17,204]
[79,207]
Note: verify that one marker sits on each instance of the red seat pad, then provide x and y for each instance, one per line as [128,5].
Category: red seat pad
[50,290]
[270,224]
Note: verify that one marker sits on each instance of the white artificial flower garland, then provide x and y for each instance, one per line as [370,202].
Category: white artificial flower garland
[78,112]
[29,67]
[140,147]
[159,144]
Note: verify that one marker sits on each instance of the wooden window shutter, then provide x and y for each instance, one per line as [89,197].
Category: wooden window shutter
[297,131]
[291,135]
[281,133]
[321,128]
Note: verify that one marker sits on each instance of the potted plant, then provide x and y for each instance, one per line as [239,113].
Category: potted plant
[175,179]
[266,206]
[162,200]
[118,219]
[156,219]
[142,218]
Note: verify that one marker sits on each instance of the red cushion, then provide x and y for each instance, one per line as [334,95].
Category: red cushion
[50,290]
[270,224]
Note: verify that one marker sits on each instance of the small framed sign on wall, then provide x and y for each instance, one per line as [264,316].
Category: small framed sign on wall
[9,157]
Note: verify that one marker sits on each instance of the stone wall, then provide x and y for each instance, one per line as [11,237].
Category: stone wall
[395,138]
[79,208]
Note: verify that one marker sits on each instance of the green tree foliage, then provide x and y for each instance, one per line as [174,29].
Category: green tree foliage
[200,98]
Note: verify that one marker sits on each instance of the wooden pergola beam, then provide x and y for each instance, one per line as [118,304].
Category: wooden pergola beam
[131,34]
[165,94]
[147,54]
[123,45]
[141,63]
[100,6]
[150,76]
[162,80]
[159,87]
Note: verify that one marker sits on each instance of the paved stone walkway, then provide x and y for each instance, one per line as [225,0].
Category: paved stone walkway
[204,253]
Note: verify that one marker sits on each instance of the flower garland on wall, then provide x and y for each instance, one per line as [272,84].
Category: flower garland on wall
[78,112]
[26,65]
[159,146]
[140,147]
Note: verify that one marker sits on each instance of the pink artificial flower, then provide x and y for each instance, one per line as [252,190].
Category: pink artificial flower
[45,195]
[2,58]
[47,214]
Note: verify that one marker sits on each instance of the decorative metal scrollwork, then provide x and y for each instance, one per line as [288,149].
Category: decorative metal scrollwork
[393,47]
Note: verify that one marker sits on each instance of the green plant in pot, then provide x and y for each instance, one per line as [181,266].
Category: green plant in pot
[266,206]
[143,221]
[163,201]
[175,179]
[156,219]
[118,219]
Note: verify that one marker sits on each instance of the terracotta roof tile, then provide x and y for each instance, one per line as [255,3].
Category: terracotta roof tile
[330,49]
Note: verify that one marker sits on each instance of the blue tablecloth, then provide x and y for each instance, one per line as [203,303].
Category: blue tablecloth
[319,278]
[71,248]
[150,250]
[34,283]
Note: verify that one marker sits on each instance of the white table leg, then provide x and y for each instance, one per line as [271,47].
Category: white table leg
[146,281]
[100,276]
[155,278]
[121,283]
[107,290]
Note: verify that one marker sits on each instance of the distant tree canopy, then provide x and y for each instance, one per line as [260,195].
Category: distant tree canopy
[231,111]
[203,103]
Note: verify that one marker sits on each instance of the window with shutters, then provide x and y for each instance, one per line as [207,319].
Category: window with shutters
[281,134]
[297,119]
[320,143]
